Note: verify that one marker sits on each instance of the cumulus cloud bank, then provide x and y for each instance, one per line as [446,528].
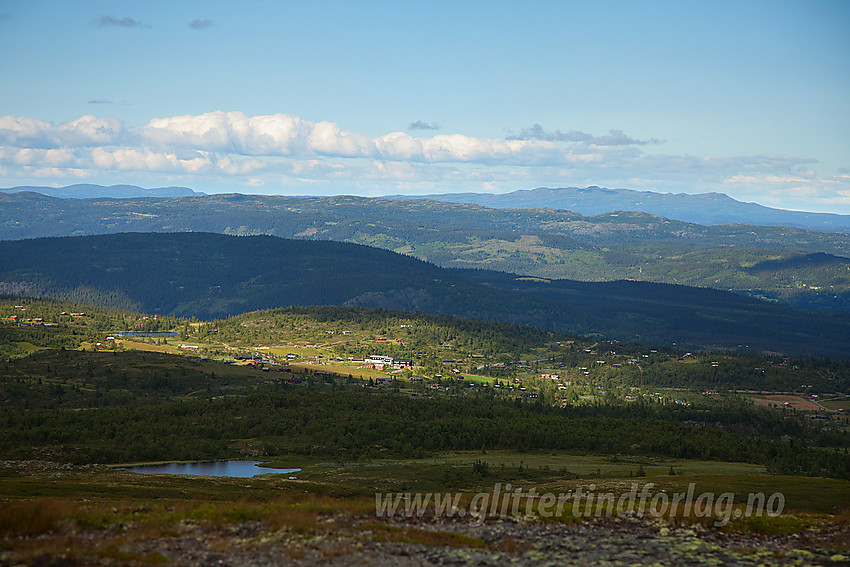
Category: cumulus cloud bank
[288,150]
[271,135]
[85,131]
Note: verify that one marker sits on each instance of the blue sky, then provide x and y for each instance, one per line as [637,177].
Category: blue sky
[748,98]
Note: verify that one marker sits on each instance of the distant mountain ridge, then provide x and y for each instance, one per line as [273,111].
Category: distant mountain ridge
[89,191]
[703,208]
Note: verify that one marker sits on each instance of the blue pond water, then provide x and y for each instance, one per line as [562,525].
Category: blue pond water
[241,469]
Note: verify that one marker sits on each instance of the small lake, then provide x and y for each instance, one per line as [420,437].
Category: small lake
[240,469]
[143,334]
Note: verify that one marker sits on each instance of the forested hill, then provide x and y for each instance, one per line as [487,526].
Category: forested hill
[212,276]
[768,262]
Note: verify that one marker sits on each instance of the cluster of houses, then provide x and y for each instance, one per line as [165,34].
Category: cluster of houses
[110,341]
[19,321]
[379,361]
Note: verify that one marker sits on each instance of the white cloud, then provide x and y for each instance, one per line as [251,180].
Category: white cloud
[804,191]
[58,157]
[87,130]
[326,138]
[283,135]
[90,130]
[60,172]
[131,159]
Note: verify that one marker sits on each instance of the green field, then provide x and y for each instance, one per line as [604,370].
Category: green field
[836,404]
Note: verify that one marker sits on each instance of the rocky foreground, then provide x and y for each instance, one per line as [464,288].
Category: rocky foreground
[620,541]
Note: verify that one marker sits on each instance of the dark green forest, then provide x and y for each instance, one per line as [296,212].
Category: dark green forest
[352,425]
